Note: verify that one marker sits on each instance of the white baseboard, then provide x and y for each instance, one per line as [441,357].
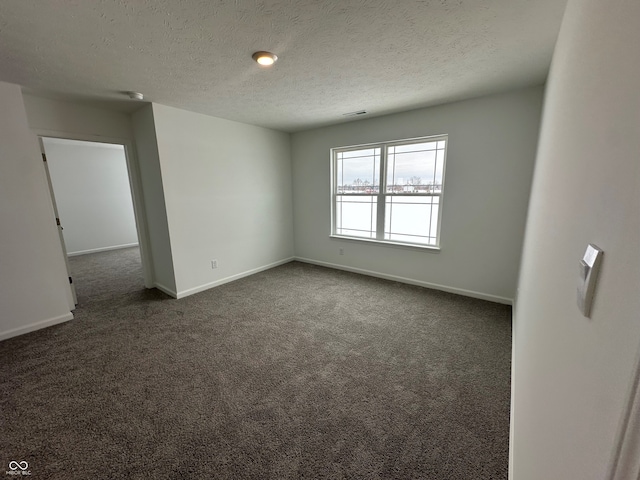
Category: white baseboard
[411,281]
[36,326]
[102,249]
[207,286]
[166,290]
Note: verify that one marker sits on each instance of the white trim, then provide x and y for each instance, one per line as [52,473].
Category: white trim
[411,281]
[625,464]
[207,286]
[72,298]
[84,143]
[388,243]
[83,137]
[101,249]
[166,290]
[392,143]
[513,387]
[36,326]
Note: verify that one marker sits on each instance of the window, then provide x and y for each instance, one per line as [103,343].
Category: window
[389,192]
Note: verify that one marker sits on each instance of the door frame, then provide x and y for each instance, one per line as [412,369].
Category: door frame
[73,301]
[625,463]
[135,185]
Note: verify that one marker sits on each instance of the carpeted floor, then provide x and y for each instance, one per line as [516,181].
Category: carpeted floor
[298,372]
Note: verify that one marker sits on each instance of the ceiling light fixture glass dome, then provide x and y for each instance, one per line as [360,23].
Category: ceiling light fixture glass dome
[265,59]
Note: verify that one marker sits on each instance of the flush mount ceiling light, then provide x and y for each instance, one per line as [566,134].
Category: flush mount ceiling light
[266,59]
[135,95]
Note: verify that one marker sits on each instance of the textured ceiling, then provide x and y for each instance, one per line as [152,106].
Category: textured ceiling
[335,57]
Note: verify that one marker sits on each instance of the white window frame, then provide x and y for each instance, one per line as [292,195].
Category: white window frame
[382,191]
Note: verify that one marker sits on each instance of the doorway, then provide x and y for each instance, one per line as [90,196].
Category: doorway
[100,222]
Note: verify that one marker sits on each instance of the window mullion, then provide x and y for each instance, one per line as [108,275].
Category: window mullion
[382,188]
[334,193]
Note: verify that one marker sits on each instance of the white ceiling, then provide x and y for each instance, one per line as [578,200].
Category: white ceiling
[335,56]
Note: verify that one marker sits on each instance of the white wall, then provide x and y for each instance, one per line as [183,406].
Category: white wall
[93,195]
[572,375]
[151,178]
[68,117]
[492,144]
[227,188]
[33,279]
[55,118]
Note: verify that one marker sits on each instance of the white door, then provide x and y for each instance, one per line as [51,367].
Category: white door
[55,209]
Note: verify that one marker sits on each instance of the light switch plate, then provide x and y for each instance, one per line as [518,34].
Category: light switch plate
[588,270]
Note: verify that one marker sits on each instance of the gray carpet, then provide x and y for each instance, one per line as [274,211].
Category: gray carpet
[296,372]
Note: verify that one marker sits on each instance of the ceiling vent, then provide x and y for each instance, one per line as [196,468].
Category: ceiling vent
[354,114]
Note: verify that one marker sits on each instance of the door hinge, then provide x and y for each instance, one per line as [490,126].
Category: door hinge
[57,221]
[70,280]
[44,157]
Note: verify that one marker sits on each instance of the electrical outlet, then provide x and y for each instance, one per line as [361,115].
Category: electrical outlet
[214,264]
[342,251]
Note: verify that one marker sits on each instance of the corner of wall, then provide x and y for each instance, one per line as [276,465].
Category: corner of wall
[146,142]
[30,251]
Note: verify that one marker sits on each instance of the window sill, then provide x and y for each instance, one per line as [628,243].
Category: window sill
[409,246]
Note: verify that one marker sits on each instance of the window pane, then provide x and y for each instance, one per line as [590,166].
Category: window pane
[412,168]
[413,176]
[358,171]
[411,219]
[356,216]
[365,152]
[416,147]
[434,219]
